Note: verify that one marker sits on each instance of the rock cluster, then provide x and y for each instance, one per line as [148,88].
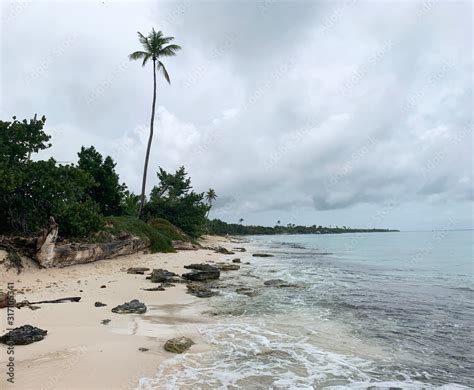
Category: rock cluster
[223,250]
[201,272]
[201,290]
[23,335]
[161,275]
[134,306]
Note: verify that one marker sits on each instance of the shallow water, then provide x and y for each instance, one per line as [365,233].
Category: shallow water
[380,309]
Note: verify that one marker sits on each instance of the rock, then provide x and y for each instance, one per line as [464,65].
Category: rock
[224,251]
[184,246]
[200,290]
[159,288]
[142,349]
[105,322]
[178,344]
[161,275]
[203,272]
[262,255]
[167,284]
[137,270]
[23,335]
[250,292]
[228,267]
[99,304]
[239,249]
[235,260]
[279,283]
[134,306]
[4,300]
[103,286]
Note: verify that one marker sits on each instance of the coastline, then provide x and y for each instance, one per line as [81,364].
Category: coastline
[79,351]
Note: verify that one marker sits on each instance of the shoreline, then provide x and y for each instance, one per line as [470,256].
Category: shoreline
[79,351]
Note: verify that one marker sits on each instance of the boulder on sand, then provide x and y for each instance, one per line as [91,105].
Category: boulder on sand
[137,270]
[178,344]
[3,300]
[224,251]
[201,272]
[134,306]
[235,260]
[23,335]
[161,275]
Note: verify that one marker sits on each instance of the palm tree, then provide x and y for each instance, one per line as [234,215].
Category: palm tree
[210,196]
[155,47]
[278,222]
[241,220]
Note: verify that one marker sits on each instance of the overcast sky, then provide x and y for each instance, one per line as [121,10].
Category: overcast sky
[349,113]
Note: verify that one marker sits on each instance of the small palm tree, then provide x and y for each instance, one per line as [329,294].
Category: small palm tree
[155,46]
[278,222]
[241,220]
[210,197]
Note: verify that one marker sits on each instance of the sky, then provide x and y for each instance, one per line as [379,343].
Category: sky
[354,113]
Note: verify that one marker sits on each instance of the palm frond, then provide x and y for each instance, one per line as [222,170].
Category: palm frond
[169,51]
[137,55]
[145,41]
[164,71]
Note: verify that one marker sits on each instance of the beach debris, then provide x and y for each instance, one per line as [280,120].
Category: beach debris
[132,307]
[105,322]
[200,290]
[184,246]
[23,335]
[143,349]
[262,255]
[161,275]
[228,267]
[178,344]
[26,303]
[202,272]
[279,283]
[235,260]
[159,288]
[137,270]
[99,304]
[250,292]
[239,249]
[221,249]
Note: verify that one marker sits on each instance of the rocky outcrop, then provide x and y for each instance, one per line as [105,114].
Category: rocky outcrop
[239,249]
[161,275]
[178,344]
[132,307]
[23,335]
[250,292]
[137,270]
[223,250]
[236,261]
[201,272]
[184,246]
[279,283]
[228,267]
[201,290]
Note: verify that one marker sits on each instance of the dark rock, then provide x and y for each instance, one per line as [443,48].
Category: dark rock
[228,267]
[99,304]
[134,306]
[161,275]
[235,260]
[103,286]
[184,246]
[159,288]
[224,251]
[137,270]
[23,335]
[178,344]
[105,322]
[200,267]
[200,290]
[142,349]
[250,292]
[262,255]
[3,300]
[239,249]
[167,284]
[279,283]
[199,275]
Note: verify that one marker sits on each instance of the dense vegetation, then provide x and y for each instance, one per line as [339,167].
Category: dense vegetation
[87,197]
[218,227]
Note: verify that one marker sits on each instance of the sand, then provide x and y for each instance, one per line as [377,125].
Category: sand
[81,353]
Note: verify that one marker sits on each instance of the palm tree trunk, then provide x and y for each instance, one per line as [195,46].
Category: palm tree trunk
[147,157]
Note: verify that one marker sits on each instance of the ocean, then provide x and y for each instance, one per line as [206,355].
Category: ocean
[368,311]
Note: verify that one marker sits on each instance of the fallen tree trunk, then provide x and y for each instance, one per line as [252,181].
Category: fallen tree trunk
[48,253]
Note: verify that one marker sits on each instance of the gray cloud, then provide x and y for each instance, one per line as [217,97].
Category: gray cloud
[307,112]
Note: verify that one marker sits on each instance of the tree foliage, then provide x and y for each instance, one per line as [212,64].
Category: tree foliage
[174,200]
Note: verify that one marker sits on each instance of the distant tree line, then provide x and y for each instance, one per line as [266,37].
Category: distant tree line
[218,227]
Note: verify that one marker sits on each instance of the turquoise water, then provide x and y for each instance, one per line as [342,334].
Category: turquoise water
[377,310]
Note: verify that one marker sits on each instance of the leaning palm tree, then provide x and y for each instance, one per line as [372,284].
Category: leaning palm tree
[155,46]
[210,197]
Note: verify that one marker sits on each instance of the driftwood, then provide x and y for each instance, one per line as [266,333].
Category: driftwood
[60,300]
[48,253]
